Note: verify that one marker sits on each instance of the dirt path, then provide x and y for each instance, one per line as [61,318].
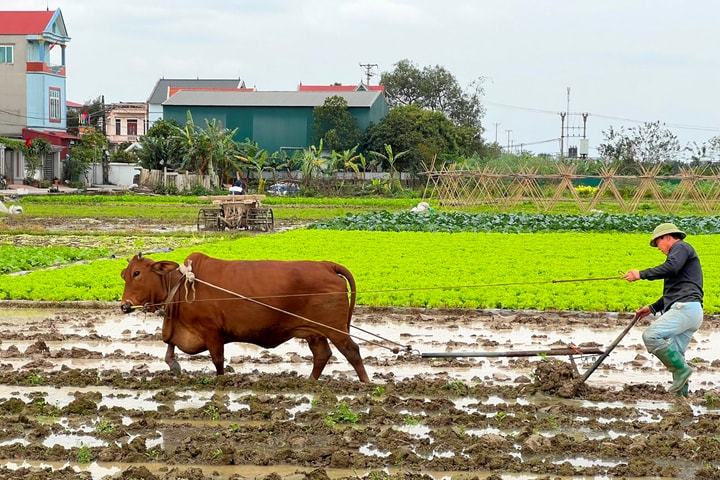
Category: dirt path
[84,393]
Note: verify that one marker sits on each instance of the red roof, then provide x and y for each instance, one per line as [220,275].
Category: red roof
[71,104]
[25,23]
[339,88]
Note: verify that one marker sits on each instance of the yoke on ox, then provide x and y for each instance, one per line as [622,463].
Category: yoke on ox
[209,302]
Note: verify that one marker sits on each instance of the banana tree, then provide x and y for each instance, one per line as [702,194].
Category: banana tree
[222,150]
[259,164]
[347,160]
[312,163]
[390,157]
[206,150]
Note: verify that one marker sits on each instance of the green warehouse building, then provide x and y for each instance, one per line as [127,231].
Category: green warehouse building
[277,121]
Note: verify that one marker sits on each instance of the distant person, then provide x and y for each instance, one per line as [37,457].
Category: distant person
[237,188]
[680,307]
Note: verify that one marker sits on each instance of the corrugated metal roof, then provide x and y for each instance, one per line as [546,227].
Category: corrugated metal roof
[268,99]
[25,22]
[162,88]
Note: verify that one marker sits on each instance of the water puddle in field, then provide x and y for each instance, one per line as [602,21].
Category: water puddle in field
[111,340]
[102,471]
[39,342]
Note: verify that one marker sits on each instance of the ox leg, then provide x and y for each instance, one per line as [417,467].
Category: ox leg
[351,351]
[321,354]
[171,360]
[217,354]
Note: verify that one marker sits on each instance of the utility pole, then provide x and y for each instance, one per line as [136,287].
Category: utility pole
[496,127]
[104,116]
[562,134]
[368,67]
[569,130]
[508,144]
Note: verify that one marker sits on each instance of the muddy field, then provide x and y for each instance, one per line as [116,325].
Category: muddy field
[85,394]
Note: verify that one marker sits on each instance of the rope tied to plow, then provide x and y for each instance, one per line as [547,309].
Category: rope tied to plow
[186,270]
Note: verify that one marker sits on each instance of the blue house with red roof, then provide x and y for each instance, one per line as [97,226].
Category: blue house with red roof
[33,94]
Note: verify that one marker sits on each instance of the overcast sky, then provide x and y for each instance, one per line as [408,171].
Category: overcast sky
[625,61]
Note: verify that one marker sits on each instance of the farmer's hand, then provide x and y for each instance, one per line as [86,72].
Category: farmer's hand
[632,275]
[643,312]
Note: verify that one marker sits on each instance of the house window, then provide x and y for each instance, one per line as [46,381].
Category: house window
[132,127]
[6,54]
[118,126]
[55,113]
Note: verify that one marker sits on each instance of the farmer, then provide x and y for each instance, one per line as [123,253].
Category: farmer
[237,187]
[680,307]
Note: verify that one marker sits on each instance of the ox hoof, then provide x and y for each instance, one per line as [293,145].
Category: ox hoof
[175,368]
[229,369]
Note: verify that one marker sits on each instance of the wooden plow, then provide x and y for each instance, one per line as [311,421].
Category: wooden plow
[571,351]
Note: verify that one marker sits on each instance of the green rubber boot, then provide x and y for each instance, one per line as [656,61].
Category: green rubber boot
[684,390]
[675,362]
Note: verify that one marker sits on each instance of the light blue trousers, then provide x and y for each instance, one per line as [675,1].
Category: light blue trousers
[674,327]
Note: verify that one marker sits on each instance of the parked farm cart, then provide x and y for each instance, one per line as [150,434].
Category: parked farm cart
[235,212]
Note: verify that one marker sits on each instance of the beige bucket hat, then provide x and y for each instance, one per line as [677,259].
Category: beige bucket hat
[665,229]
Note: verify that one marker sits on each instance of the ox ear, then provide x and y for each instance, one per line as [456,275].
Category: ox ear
[164,266]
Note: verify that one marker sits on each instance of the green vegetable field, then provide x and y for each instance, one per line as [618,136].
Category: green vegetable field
[426,269]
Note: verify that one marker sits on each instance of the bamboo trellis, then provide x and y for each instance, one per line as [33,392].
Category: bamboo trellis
[486,186]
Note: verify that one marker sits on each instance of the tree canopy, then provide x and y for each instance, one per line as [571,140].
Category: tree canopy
[159,149]
[649,143]
[422,133]
[334,125]
[88,151]
[436,89]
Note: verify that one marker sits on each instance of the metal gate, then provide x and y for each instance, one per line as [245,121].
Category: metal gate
[49,167]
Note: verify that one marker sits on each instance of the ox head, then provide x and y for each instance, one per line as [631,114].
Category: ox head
[146,284]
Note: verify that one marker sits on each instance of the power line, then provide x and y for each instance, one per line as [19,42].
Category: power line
[673,125]
[541,141]
[607,117]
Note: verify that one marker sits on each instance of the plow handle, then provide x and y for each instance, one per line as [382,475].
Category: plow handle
[609,349]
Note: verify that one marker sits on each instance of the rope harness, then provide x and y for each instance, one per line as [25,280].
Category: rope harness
[188,278]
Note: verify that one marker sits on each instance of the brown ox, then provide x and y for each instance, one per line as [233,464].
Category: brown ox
[262,302]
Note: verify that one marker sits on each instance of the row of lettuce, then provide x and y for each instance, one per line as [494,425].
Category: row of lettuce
[19,259]
[454,222]
[542,271]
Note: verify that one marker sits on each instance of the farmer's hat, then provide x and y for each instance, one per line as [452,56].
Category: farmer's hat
[665,229]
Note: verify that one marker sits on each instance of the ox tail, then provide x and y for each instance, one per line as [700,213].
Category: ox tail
[343,271]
